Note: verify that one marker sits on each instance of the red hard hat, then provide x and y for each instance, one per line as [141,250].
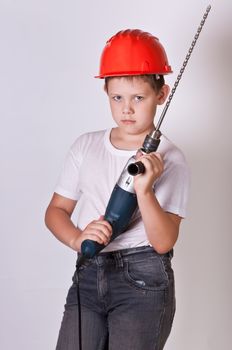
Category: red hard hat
[133,52]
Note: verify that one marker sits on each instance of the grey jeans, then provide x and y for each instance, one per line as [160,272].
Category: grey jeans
[127,302]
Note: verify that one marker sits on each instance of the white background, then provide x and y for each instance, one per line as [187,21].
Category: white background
[50,52]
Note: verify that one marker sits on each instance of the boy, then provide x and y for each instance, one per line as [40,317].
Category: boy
[127,298]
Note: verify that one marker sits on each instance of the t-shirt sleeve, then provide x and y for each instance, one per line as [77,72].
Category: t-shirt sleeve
[68,181]
[172,189]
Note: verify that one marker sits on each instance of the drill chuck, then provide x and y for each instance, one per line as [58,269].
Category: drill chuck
[150,144]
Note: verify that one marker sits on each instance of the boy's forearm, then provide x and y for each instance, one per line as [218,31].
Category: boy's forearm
[60,224]
[161,230]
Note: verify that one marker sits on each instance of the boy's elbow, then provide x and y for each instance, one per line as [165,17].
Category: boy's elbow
[47,217]
[164,246]
[163,249]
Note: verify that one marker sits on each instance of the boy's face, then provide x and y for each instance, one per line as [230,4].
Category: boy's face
[133,104]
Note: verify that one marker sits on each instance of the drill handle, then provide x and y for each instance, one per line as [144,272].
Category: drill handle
[90,248]
[119,211]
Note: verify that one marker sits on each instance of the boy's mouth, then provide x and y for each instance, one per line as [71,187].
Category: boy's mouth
[127,121]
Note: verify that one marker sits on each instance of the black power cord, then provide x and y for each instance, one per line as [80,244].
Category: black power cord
[80,261]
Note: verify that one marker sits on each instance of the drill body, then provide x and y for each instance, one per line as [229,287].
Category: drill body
[119,211]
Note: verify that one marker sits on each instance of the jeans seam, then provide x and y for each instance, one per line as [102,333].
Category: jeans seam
[164,270]
[159,328]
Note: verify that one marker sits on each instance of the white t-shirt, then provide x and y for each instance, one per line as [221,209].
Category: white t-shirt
[92,168]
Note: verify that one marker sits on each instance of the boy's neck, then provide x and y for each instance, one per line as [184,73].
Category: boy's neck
[125,141]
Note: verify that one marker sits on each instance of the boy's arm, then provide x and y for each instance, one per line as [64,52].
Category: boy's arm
[162,228]
[58,220]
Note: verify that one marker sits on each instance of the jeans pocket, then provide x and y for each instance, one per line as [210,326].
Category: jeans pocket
[147,274]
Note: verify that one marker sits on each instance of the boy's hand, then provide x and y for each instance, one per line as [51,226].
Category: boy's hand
[154,167]
[97,230]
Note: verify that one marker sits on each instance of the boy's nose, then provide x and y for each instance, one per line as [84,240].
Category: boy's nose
[127,109]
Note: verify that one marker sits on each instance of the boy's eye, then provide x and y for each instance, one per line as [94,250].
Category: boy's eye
[138,98]
[117,98]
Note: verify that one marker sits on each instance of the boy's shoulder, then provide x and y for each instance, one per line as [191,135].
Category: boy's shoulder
[171,152]
[84,141]
[176,167]
[92,135]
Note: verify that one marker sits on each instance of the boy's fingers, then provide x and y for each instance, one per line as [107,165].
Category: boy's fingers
[153,162]
[104,238]
[100,227]
[96,238]
[158,157]
[101,234]
[104,223]
[154,157]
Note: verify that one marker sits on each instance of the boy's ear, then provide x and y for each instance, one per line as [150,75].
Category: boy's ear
[105,89]
[163,94]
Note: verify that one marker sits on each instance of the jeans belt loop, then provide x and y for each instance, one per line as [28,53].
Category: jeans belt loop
[119,259]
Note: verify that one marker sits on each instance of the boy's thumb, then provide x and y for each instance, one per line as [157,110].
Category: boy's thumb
[138,154]
[101,217]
